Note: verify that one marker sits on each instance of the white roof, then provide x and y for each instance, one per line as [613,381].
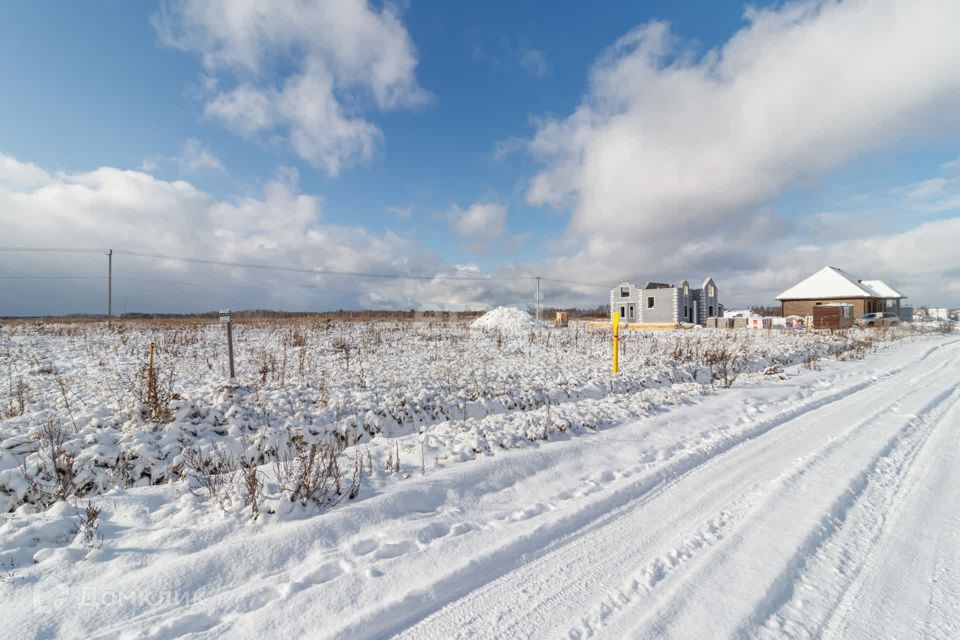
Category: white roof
[882,289]
[829,282]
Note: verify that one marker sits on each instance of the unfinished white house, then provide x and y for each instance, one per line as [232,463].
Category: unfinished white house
[659,302]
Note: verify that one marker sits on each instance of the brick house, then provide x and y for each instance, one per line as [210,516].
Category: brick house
[831,285]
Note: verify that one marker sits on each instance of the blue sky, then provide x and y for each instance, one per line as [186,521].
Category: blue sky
[561,138]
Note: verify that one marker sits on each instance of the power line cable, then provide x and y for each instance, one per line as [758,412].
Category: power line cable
[53,277]
[322,272]
[577,283]
[303,270]
[49,250]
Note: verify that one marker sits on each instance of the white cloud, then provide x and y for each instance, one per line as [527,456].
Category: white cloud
[933,194]
[402,213]
[671,160]
[21,174]
[195,158]
[244,109]
[506,54]
[305,69]
[480,221]
[535,63]
[506,147]
[921,262]
[953,166]
[134,211]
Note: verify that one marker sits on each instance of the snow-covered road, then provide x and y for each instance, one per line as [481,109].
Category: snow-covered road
[837,516]
[823,505]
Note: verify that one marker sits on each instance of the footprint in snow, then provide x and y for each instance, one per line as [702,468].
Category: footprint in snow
[431,532]
[393,550]
[529,512]
[460,528]
[258,599]
[364,547]
[324,573]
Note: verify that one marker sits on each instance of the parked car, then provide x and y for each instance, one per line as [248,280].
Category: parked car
[878,319]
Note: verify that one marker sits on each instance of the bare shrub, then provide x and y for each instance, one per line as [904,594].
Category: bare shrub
[153,388]
[311,472]
[62,386]
[393,461]
[341,345]
[89,526]
[18,398]
[52,478]
[725,363]
[811,361]
[266,366]
[298,337]
[252,481]
[774,370]
[212,474]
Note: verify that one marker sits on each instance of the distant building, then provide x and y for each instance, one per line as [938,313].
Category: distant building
[831,285]
[659,302]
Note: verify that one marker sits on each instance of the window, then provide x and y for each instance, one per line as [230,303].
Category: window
[710,291]
[623,311]
[686,312]
[630,312]
[710,310]
[624,292]
[649,302]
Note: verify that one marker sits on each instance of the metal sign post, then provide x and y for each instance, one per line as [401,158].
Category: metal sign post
[225,319]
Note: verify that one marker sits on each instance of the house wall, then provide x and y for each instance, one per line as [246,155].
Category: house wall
[664,305]
[805,307]
[710,305]
[696,307]
[617,300]
[684,308]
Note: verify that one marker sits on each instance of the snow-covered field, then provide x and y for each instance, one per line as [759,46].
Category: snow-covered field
[484,482]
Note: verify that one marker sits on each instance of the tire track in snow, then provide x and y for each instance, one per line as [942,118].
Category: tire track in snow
[678,556]
[816,607]
[451,624]
[879,486]
[658,569]
[789,511]
[394,617]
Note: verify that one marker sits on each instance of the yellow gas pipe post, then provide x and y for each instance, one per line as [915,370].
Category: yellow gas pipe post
[616,343]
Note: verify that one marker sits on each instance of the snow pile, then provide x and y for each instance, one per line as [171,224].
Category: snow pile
[505,319]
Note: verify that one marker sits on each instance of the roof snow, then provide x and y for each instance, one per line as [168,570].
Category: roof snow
[831,282]
[882,289]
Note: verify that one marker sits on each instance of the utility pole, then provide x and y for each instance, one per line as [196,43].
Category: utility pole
[538,298]
[109,288]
